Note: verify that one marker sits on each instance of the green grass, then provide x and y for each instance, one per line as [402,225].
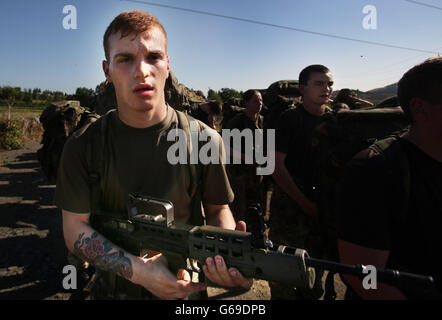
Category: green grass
[18,113]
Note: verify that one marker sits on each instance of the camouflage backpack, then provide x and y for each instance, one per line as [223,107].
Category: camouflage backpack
[336,140]
[59,121]
[231,108]
[279,97]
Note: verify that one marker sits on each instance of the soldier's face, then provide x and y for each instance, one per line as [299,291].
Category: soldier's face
[318,89]
[434,116]
[254,104]
[138,66]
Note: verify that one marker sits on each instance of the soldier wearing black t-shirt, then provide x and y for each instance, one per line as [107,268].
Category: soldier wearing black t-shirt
[390,199]
[294,212]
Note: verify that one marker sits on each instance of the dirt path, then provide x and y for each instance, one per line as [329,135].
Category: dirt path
[32,249]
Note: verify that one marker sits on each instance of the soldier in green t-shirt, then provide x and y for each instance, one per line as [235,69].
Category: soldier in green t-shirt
[247,185]
[135,160]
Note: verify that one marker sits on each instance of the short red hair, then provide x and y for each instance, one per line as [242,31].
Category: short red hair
[131,22]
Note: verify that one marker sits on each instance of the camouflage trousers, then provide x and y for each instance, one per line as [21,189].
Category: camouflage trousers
[289,226]
[248,188]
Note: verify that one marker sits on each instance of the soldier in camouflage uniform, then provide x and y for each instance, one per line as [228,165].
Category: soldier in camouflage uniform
[246,184]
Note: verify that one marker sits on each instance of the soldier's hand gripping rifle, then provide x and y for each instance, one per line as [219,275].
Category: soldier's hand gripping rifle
[150,225]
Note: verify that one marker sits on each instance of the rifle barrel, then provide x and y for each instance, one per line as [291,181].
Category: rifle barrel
[385,275]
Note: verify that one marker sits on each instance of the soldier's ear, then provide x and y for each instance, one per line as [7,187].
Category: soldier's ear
[418,110]
[301,89]
[105,65]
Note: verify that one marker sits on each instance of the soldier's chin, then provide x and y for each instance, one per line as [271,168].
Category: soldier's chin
[325,100]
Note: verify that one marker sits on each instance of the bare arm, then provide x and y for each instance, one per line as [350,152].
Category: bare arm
[220,216]
[282,177]
[351,253]
[82,240]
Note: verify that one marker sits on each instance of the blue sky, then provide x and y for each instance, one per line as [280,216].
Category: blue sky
[212,52]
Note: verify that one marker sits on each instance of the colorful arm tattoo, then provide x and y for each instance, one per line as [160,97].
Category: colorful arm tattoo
[96,251]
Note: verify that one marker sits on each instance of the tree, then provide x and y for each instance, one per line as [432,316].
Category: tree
[46,95]
[227,93]
[213,95]
[36,93]
[86,96]
[27,96]
[58,95]
[11,94]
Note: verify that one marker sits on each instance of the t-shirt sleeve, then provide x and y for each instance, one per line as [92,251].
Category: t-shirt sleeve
[72,192]
[217,189]
[284,131]
[364,203]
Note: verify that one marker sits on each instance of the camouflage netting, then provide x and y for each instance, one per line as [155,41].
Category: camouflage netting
[178,95]
[32,130]
[59,121]
[106,98]
[336,140]
[278,97]
[389,103]
[231,108]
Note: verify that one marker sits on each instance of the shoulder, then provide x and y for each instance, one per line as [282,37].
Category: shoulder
[88,133]
[381,153]
[378,166]
[291,114]
[186,119]
[236,121]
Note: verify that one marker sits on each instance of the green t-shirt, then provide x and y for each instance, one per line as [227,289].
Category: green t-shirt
[135,162]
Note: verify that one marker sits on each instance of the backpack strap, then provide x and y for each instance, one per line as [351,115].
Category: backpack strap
[197,171]
[95,148]
[392,150]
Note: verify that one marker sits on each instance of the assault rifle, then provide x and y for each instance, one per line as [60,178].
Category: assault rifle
[150,225]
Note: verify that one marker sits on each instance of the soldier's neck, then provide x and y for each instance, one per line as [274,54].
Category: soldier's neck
[252,116]
[142,118]
[314,109]
[429,144]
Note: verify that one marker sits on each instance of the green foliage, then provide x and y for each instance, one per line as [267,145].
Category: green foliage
[224,95]
[213,95]
[85,96]
[228,93]
[11,135]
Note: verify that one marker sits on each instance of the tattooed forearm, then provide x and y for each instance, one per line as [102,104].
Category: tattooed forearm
[97,251]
